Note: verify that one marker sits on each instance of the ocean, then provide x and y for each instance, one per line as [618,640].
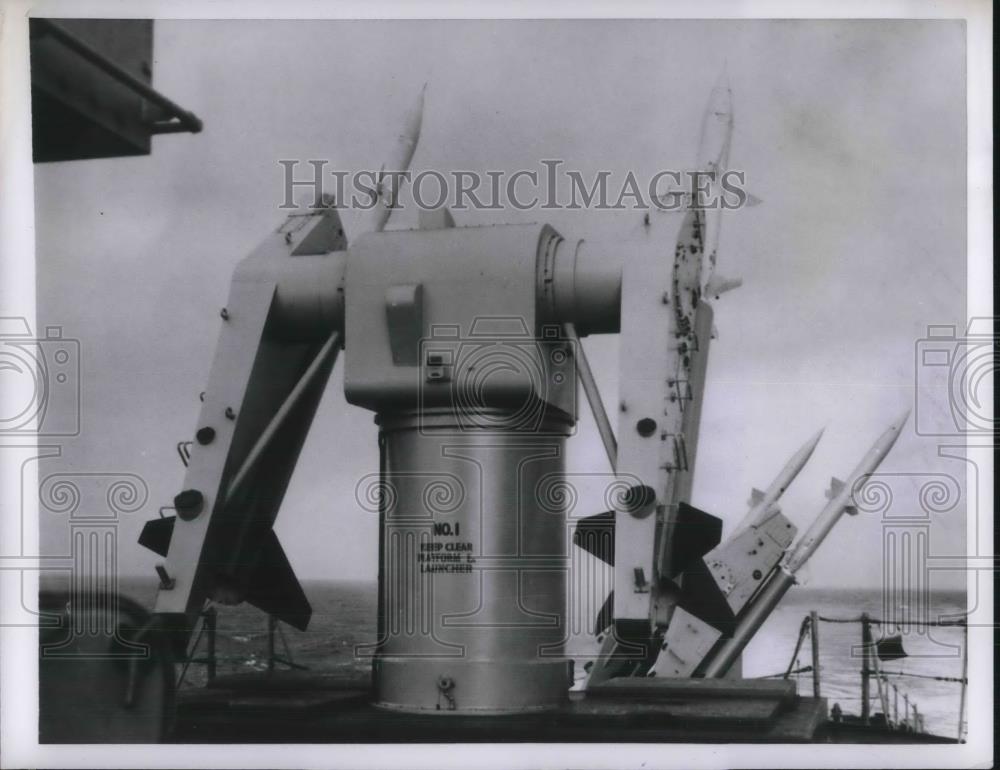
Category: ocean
[344,617]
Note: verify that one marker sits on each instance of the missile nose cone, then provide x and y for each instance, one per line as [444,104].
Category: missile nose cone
[418,106]
[722,82]
[801,457]
[720,100]
[888,439]
[414,119]
[716,127]
[815,439]
[896,427]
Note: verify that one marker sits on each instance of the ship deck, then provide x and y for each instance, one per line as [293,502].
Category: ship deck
[298,707]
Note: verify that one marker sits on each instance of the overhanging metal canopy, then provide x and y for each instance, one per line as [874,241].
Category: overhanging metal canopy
[91,90]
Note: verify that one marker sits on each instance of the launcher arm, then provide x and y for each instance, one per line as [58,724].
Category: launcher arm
[281,332]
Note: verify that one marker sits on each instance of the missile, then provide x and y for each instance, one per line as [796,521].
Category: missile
[783,578]
[842,495]
[714,139]
[716,129]
[713,158]
[388,183]
[762,504]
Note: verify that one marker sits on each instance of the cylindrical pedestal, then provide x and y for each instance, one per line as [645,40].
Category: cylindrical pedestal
[472,577]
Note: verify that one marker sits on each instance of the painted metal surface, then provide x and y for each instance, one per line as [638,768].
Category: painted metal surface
[655,393]
[472,600]
[259,361]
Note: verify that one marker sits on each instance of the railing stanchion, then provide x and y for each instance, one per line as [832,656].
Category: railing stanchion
[210,619]
[814,637]
[965,677]
[866,640]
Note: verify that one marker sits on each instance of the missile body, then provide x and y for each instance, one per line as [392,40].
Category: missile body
[784,577]
[713,158]
[716,129]
[844,498]
[389,181]
[762,503]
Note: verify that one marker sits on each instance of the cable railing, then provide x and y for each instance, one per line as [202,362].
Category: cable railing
[887,693]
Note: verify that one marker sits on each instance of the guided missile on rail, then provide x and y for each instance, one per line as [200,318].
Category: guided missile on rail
[753,617]
[389,181]
[716,134]
[762,504]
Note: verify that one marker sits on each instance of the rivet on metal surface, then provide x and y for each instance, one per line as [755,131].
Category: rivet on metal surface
[230,414]
[224,313]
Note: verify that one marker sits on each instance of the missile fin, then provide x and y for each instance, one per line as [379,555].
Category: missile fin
[755,496]
[718,285]
[596,535]
[702,597]
[274,588]
[605,617]
[836,486]
[156,534]
[695,534]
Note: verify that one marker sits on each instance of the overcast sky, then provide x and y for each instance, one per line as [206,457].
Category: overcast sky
[851,132]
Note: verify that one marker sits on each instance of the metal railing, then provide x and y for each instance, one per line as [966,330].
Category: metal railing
[908,719]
